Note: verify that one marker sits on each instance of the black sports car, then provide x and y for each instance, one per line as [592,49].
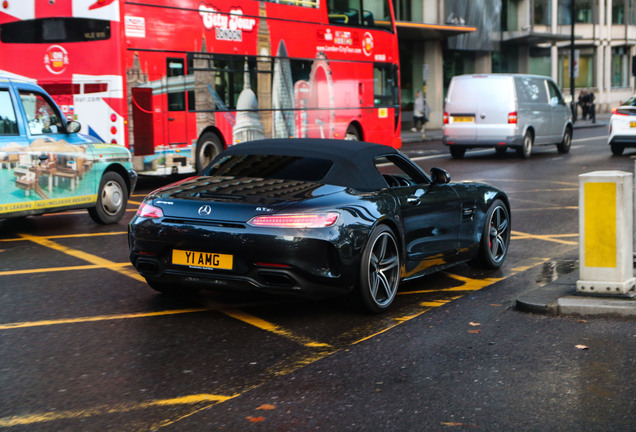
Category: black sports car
[317,218]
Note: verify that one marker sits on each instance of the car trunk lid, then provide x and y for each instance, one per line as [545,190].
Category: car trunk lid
[230,199]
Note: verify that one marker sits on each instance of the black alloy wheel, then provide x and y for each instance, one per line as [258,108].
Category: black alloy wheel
[495,237]
[379,271]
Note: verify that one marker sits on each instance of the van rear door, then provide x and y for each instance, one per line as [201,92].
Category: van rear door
[478,107]
[461,106]
[496,100]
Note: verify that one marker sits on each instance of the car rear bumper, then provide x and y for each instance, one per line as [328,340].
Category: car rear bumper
[509,141]
[311,266]
[624,140]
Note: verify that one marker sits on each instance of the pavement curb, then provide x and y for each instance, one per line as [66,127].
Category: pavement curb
[560,298]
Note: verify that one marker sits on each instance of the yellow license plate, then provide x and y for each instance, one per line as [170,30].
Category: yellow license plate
[632,124]
[202,259]
[463,119]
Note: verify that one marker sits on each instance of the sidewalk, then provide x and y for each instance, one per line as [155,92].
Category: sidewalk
[602,121]
[560,298]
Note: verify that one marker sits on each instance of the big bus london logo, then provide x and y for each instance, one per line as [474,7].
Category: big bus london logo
[367,44]
[227,26]
[56,59]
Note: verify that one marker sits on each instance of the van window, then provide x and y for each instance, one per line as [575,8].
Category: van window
[531,90]
[8,122]
[555,93]
[495,89]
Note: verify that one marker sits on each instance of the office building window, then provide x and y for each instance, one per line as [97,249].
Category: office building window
[618,12]
[542,12]
[620,67]
[584,12]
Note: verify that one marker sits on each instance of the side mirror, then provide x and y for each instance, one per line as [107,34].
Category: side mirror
[440,176]
[73,127]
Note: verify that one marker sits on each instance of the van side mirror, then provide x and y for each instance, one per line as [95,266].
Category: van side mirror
[73,127]
[440,176]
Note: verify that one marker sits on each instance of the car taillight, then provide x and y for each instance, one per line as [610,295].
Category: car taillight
[445,118]
[512,117]
[300,220]
[149,211]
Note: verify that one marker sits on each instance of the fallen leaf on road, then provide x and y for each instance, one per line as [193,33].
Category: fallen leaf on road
[474,324]
[255,419]
[474,331]
[266,407]
[582,347]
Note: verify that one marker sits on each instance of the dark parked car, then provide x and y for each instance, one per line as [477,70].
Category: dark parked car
[316,218]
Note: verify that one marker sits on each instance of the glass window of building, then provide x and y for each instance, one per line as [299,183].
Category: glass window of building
[586,70]
[542,12]
[620,67]
[584,12]
[618,12]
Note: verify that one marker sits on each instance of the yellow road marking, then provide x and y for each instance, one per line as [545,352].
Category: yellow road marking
[556,238]
[270,327]
[58,269]
[517,210]
[64,236]
[97,318]
[105,409]
[85,256]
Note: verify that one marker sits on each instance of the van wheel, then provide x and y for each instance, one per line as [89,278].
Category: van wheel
[457,152]
[617,149]
[564,146]
[526,148]
[208,147]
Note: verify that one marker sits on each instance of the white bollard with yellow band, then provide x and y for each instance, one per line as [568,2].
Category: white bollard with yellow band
[606,234]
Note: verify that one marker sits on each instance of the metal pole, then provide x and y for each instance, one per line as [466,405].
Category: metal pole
[572,19]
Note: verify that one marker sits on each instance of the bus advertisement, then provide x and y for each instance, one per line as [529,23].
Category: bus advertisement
[177,81]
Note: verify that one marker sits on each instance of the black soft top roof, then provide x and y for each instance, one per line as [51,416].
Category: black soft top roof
[353,161]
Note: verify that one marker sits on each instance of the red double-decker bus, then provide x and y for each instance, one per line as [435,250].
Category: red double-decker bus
[177,81]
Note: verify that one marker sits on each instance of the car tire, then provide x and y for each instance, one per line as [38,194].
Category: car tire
[564,146]
[352,133]
[171,290]
[617,149]
[208,146]
[526,148]
[112,198]
[457,152]
[495,239]
[380,268]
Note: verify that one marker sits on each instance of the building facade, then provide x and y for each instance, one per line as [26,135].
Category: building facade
[524,36]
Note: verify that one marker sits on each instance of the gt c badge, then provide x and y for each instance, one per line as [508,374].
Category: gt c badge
[205,210]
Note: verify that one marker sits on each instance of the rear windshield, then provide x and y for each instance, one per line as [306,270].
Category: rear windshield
[271,166]
[479,89]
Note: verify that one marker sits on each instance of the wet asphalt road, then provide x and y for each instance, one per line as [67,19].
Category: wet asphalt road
[87,345]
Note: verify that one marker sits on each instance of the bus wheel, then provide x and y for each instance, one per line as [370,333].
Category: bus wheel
[352,133]
[208,147]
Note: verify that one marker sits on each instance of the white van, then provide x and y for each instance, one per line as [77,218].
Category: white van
[505,111]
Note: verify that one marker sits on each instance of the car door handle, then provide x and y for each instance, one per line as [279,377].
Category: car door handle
[413,200]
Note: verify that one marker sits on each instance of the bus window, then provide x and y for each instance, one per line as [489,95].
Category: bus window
[55,30]
[385,85]
[176,84]
[365,13]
